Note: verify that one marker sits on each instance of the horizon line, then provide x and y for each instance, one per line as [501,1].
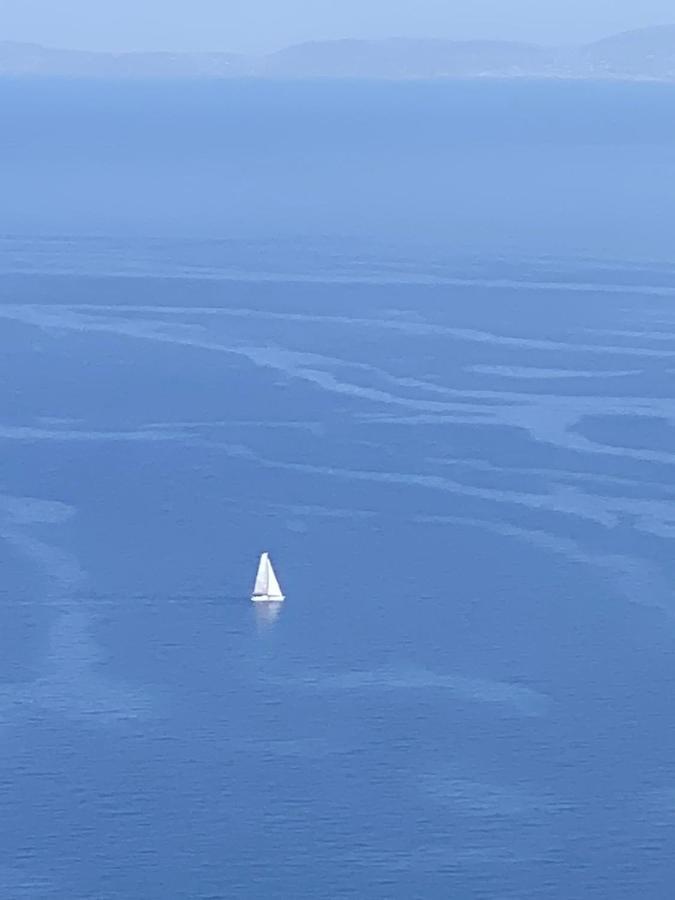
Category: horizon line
[334,40]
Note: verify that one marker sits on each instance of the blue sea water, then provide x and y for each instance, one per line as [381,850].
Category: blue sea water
[417,341]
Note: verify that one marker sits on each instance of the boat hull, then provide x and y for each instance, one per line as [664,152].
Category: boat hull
[265,598]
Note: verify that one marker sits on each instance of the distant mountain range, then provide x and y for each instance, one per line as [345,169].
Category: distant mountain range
[646,54]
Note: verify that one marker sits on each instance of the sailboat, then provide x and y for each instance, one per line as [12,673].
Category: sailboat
[266,588]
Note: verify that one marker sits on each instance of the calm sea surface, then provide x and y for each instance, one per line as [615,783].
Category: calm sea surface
[419,343]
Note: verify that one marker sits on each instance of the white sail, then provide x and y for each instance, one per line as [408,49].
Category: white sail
[266,584]
[260,587]
[273,586]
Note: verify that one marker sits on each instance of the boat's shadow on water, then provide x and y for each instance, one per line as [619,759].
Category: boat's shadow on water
[266,614]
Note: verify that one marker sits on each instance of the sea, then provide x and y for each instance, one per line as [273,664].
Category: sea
[418,342]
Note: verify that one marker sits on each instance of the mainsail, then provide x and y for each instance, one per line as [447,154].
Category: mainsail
[266,584]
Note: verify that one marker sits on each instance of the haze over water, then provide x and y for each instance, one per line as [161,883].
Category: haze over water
[419,343]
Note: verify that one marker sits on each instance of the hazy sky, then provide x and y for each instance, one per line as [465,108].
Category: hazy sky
[253,25]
